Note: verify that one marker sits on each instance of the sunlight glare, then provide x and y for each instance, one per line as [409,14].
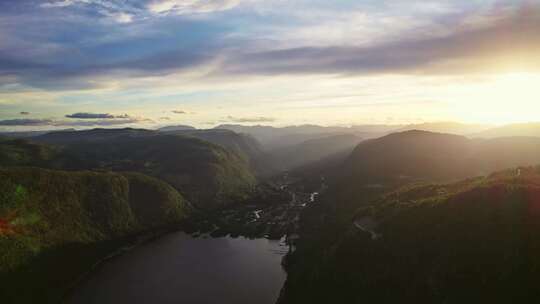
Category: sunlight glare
[506,98]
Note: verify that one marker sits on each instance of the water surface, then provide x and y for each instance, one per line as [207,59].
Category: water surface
[181,269]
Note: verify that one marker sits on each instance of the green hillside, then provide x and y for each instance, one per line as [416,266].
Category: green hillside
[207,174]
[473,241]
[55,224]
[243,145]
[19,152]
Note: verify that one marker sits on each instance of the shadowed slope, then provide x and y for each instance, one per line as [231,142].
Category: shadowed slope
[56,224]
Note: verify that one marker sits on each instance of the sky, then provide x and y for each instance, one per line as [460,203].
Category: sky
[150,63]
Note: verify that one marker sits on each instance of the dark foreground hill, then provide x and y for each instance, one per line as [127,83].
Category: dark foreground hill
[55,224]
[207,174]
[474,241]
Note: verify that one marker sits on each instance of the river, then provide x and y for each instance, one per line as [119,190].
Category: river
[180,269]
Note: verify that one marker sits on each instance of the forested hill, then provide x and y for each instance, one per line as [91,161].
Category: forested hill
[207,174]
[243,145]
[55,224]
[473,241]
[73,136]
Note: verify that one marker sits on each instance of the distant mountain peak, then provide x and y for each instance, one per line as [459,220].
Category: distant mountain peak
[176,128]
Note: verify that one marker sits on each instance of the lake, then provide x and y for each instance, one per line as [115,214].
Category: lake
[180,269]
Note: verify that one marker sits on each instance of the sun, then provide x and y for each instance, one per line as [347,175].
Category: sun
[521,85]
[500,99]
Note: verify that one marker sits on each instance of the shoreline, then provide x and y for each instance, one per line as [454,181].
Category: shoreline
[130,243]
[138,241]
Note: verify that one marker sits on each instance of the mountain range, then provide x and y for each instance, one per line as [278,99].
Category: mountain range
[427,215]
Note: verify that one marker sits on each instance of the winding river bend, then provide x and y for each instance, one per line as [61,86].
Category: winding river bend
[178,268]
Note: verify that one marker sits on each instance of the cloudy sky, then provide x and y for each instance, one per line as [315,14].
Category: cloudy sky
[85,63]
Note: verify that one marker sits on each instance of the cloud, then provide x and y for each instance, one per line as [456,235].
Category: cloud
[80,123]
[103,122]
[182,112]
[63,3]
[181,7]
[164,118]
[248,119]
[90,116]
[100,5]
[472,46]
[118,11]
[26,122]
[126,11]
[84,75]
[67,49]
[100,119]
[84,115]
[123,17]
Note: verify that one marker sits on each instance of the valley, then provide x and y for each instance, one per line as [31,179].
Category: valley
[344,212]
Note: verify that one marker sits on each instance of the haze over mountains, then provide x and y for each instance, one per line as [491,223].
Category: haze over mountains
[448,127]
[270,149]
[271,136]
[520,129]
[438,156]
[274,137]
[95,189]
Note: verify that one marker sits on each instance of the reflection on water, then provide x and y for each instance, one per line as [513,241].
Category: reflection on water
[180,269]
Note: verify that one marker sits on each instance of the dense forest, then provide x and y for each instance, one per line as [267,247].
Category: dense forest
[469,241]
